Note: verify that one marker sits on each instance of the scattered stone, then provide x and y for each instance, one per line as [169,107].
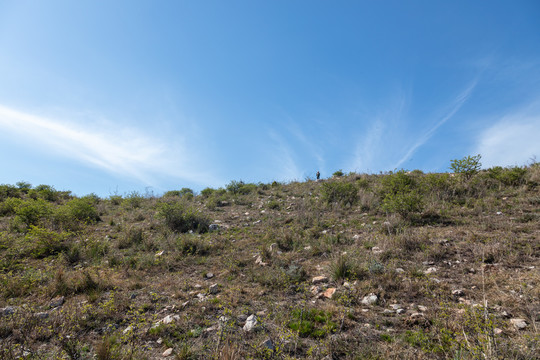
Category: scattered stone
[169,319]
[314,289]
[307,248]
[242,318]
[387,311]
[370,299]
[400,270]
[158,254]
[8,310]
[57,301]
[213,289]
[458,292]
[499,212]
[519,324]
[472,271]
[497,331]
[505,314]
[159,341]
[268,344]
[127,330]
[251,323]
[347,285]
[319,279]
[329,293]
[400,311]
[376,250]
[167,352]
[430,270]
[213,227]
[209,275]
[395,306]
[422,308]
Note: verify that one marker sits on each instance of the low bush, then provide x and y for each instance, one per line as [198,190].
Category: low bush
[339,192]
[181,218]
[30,212]
[44,242]
[468,166]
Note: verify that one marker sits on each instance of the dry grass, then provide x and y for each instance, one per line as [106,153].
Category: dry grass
[122,275]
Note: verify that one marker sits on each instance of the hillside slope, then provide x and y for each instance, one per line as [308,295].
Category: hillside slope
[401,265]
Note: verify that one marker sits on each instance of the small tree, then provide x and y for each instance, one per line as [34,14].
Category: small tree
[468,166]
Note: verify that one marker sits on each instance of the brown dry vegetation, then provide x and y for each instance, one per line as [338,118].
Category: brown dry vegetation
[123,264]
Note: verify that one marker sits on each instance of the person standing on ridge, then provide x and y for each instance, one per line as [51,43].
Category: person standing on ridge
[318,175]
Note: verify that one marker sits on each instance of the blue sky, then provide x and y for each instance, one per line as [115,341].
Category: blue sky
[118,96]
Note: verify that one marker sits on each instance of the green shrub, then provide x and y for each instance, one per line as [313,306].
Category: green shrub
[7,191]
[46,192]
[30,212]
[186,193]
[133,200]
[511,176]
[240,188]
[339,192]
[400,194]
[181,218]
[338,173]
[44,242]
[76,212]
[206,192]
[403,203]
[468,166]
[9,206]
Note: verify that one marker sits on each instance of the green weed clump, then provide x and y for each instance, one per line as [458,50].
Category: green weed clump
[312,323]
[181,218]
[339,192]
[76,213]
[31,212]
[400,194]
[44,242]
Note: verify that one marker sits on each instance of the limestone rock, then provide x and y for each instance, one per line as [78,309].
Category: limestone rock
[519,324]
[370,299]
[251,323]
[167,352]
[319,279]
[213,289]
[329,293]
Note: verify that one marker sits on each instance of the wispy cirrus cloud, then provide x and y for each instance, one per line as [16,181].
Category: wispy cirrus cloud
[512,140]
[122,151]
[449,113]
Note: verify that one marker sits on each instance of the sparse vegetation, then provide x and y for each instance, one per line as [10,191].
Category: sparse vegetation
[386,266]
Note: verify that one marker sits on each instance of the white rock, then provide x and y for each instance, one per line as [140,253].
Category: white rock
[376,250]
[251,323]
[400,270]
[370,299]
[128,329]
[518,323]
[422,308]
[319,279]
[167,352]
[458,292]
[213,289]
[430,270]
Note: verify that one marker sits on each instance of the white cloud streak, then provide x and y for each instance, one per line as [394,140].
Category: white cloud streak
[454,108]
[126,152]
[513,140]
